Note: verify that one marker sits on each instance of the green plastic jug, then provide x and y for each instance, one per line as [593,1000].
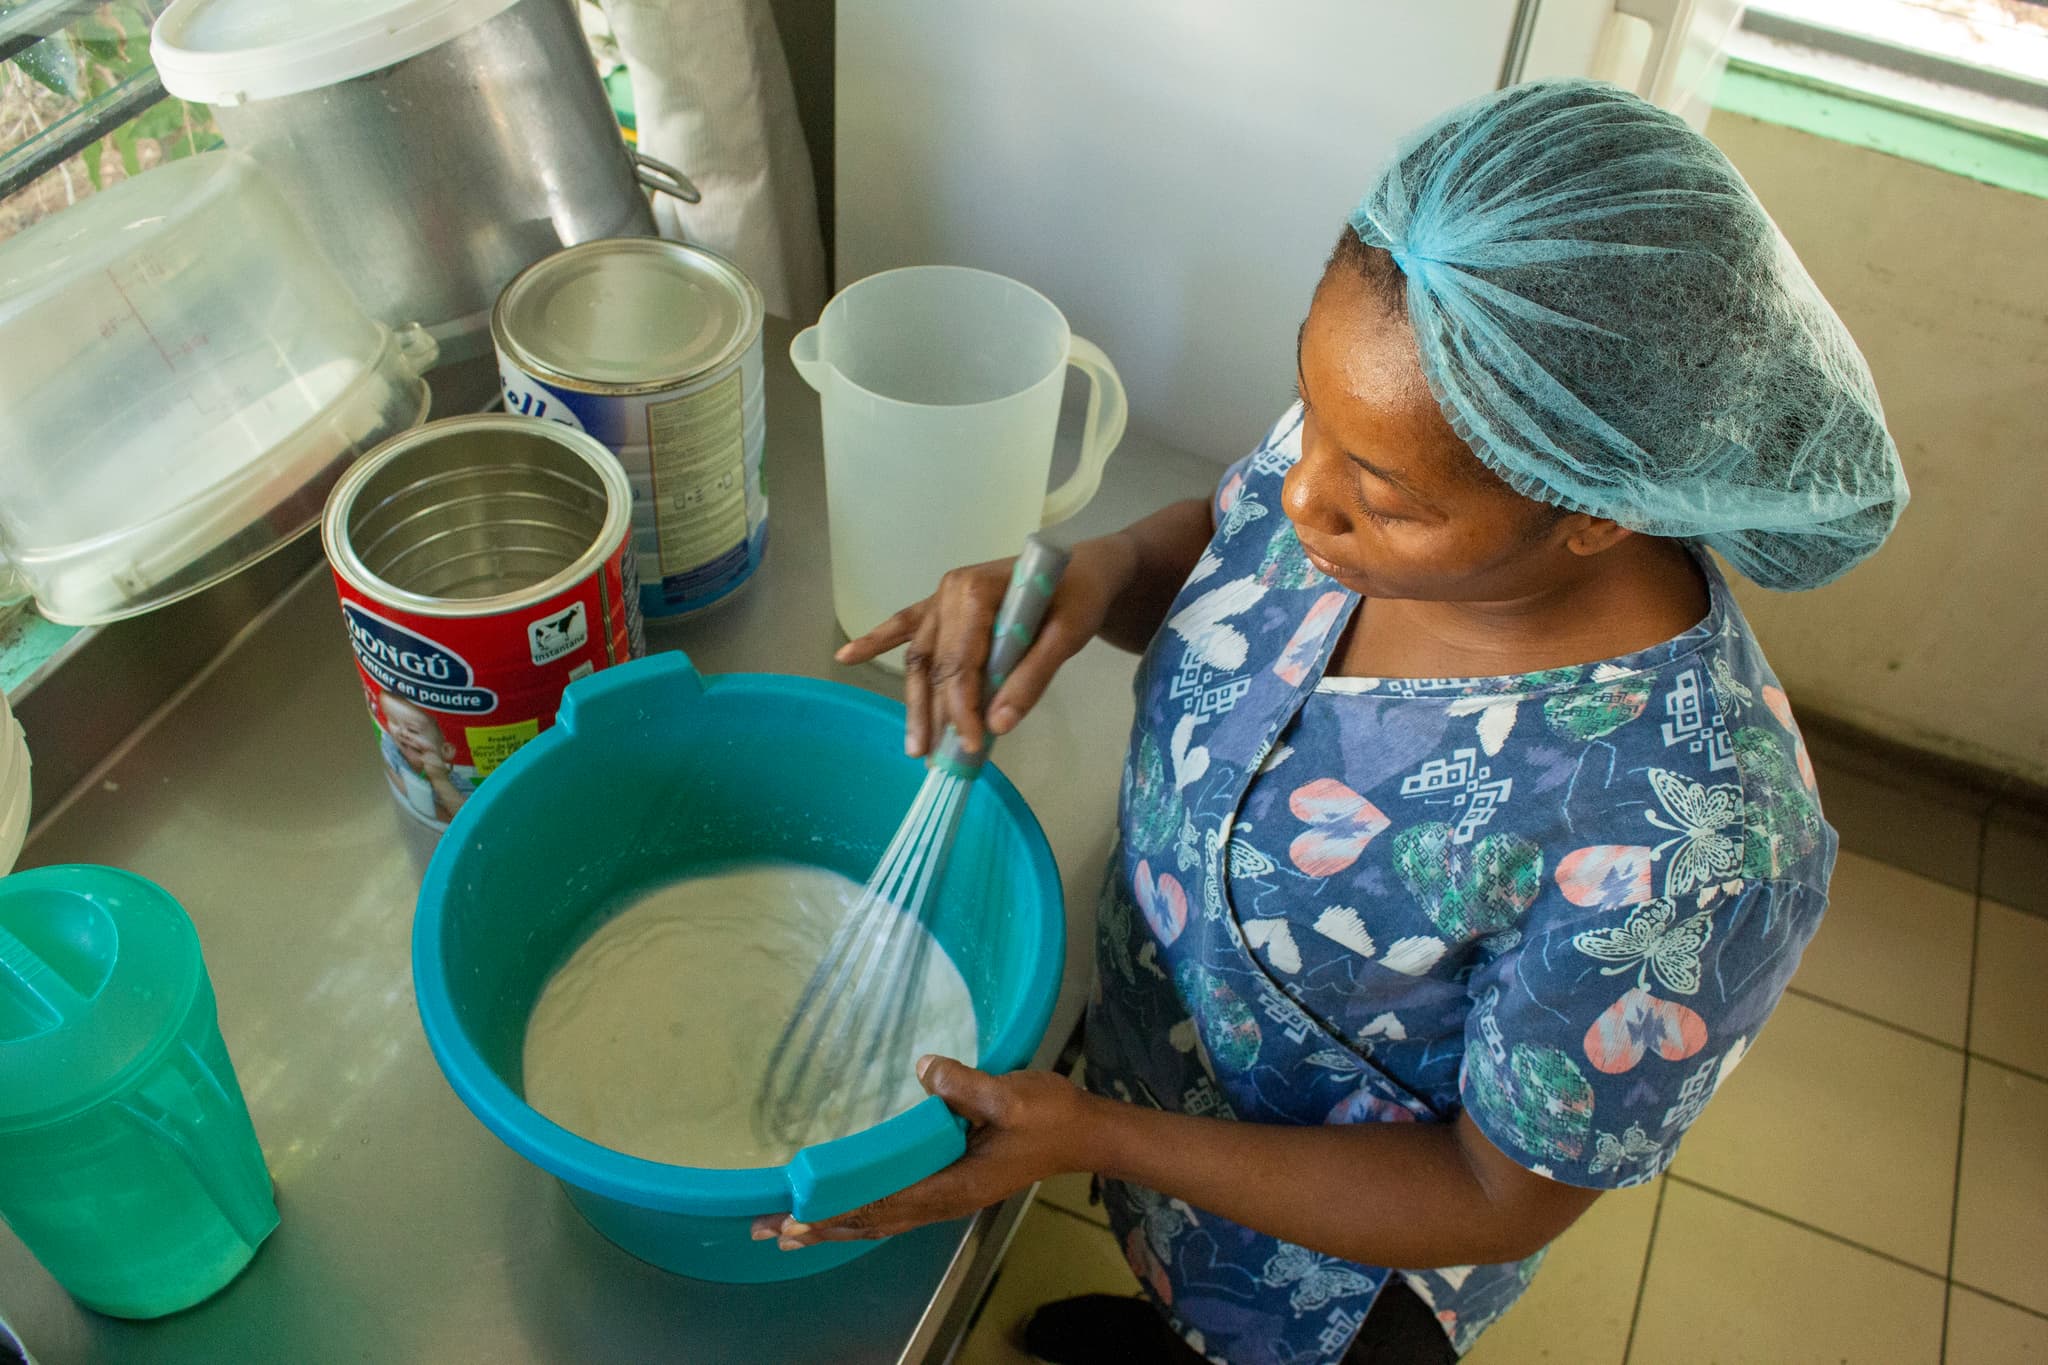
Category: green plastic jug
[128,1164]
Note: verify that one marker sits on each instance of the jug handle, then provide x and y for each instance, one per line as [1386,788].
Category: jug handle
[804,354]
[176,1119]
[1108,411]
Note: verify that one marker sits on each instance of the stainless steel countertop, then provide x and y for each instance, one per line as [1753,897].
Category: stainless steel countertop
[409,1233]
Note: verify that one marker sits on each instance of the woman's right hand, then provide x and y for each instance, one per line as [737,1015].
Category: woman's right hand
[948,639]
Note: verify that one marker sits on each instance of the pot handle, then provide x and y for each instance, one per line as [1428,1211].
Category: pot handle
[663,178]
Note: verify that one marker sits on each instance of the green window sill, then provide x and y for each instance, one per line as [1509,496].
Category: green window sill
[27,642]
[2010,160]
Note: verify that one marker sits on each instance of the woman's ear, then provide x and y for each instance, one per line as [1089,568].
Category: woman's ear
[1588,536]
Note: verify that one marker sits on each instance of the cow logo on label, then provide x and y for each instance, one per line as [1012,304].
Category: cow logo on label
[414,667]
[562,633]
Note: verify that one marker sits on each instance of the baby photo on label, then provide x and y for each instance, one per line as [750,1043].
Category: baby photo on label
[419,759]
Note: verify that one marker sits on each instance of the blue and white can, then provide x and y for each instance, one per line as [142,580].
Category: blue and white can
[653,347]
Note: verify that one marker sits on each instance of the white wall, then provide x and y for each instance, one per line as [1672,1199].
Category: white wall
[1170,173]
[806,27]
[1941,639]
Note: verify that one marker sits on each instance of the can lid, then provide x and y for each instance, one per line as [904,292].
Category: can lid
[98,969]
[233,51]
[628,313]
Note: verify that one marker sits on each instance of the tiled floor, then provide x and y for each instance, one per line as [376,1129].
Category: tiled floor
[1871,1186]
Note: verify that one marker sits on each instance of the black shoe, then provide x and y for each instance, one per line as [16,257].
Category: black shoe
[1104,1329]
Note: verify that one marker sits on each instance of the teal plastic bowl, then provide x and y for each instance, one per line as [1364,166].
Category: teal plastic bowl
[650,772]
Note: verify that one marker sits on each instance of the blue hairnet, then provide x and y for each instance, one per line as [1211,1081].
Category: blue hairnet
[1613,324]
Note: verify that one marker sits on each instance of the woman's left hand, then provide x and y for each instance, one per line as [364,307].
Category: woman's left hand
[1024,1127]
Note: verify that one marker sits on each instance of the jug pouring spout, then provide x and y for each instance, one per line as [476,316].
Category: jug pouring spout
[804,353]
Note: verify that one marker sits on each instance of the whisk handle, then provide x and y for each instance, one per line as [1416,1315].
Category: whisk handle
[1032,583]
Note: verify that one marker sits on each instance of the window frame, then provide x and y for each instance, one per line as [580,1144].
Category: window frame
[31,22]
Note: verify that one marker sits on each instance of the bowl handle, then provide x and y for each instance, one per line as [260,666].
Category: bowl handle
[835,1177]
[630,692]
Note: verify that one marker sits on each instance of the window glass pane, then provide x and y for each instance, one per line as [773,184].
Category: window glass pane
[71,79]
[2002,35]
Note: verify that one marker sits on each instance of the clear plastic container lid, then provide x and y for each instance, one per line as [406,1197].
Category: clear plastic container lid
[185,377]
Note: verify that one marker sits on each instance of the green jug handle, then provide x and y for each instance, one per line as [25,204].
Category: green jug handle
[178,1101]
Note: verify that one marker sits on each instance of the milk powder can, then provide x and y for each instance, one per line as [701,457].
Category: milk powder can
[654,347]
[484,563]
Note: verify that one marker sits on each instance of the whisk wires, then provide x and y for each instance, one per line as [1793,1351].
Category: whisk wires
[841,1059]
[846,1051]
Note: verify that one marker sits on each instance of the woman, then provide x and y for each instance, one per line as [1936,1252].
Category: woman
[1466,838]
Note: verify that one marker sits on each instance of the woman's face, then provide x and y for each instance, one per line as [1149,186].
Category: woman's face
[1386,499]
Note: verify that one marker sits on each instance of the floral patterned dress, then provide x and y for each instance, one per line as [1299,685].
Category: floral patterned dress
[1563,902]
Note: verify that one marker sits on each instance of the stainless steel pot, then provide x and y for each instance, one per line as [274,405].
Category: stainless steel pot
[431,182]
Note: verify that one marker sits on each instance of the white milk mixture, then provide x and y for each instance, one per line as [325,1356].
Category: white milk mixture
[653,1039]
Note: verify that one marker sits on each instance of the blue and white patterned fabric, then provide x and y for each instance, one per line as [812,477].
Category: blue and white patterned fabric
[1564,902]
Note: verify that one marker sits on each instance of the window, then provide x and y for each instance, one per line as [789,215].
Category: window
[1979,64]
[80,104]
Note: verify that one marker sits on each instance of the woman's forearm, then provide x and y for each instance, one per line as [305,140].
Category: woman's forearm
[1416,1195]
[1164,548]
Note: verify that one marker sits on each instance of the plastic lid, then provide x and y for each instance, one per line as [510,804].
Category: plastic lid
[98,970]
[628,312]
[231,51]
[119,221]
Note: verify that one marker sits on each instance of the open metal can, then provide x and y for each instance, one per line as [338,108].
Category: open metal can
[654,347]
[484,564]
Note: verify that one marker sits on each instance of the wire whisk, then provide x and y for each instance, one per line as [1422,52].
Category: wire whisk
[839,1063]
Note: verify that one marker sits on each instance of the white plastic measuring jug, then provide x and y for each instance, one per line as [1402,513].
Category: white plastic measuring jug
[940,388]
